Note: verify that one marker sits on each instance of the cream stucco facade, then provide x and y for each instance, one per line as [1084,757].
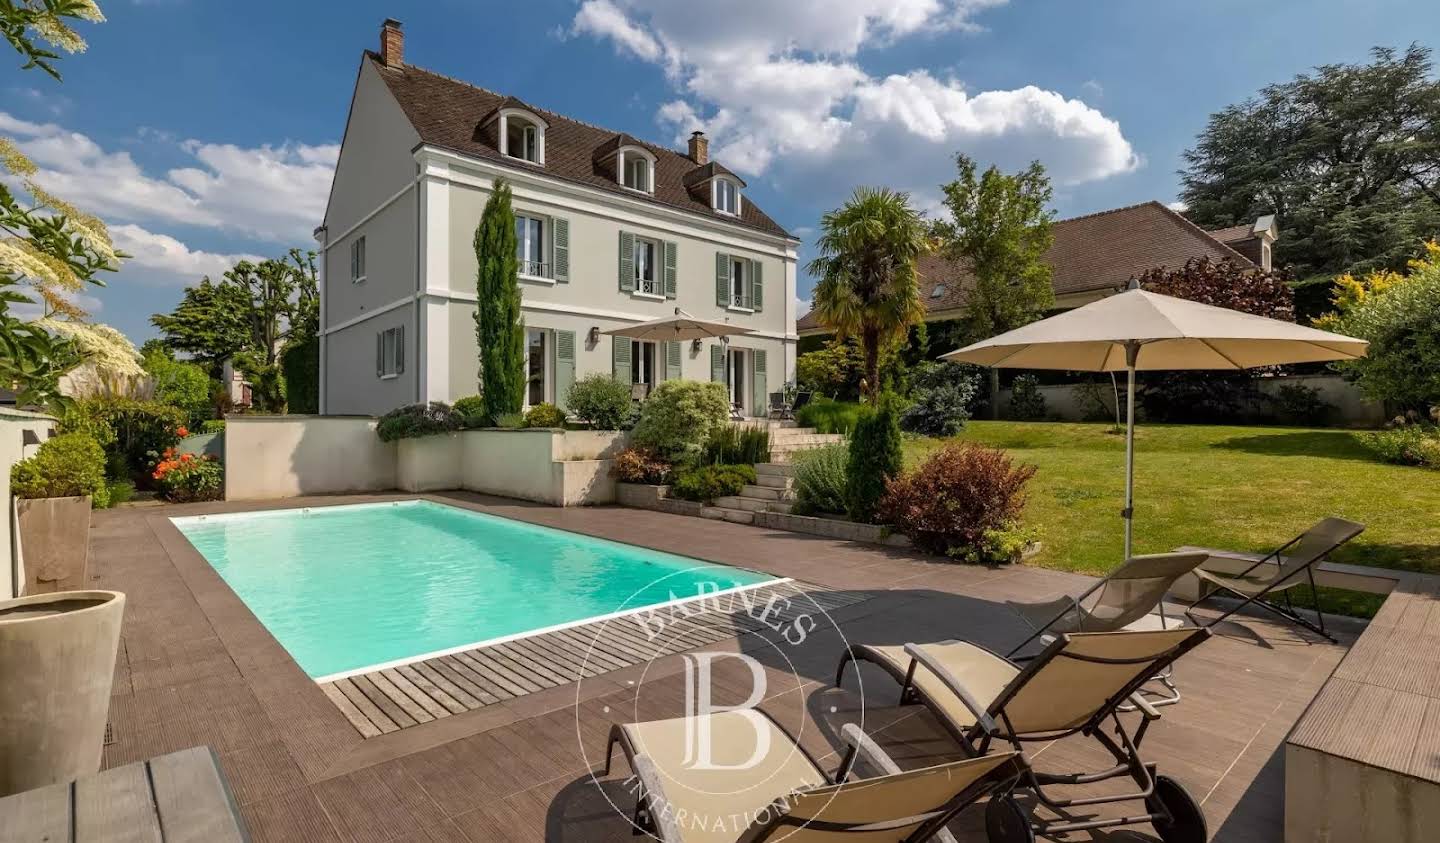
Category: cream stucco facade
[417,213]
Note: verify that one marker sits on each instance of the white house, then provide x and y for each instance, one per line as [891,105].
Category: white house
[612,231]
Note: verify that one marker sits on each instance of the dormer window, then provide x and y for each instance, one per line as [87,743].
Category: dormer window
[726,196]
[522,136]
[635,168]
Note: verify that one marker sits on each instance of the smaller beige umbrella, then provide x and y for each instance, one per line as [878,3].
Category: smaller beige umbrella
[681,326]
[1143,331]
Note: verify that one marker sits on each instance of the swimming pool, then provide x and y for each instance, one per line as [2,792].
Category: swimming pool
[348,589]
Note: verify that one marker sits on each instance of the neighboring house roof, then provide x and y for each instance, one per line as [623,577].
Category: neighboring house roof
[1100,251]
[451,114]
[1234,233]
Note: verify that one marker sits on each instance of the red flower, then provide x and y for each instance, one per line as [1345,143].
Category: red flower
[182,432]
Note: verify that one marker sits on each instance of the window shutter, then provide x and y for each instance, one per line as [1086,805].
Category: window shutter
[757,287]
[672,361]
[671,259]
[620,359]
[722,279]
[380,354]
[759,398]
[400,350]
[560,250]
[717,363]
[564,367]
[627,266]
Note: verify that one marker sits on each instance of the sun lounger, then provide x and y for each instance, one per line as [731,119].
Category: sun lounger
[784,794]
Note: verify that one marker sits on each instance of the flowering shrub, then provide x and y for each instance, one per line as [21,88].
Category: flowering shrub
[133,433]
[963,502]
[185,477]
[640,465]
[545,415]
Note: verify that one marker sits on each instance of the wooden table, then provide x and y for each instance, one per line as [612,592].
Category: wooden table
[177,797]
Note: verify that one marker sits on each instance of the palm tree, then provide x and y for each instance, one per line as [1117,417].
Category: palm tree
[867,284]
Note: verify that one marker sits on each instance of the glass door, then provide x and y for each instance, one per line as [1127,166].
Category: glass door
[735,374]
[537,365]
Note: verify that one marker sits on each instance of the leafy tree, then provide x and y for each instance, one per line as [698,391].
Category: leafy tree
[209,323]
[1348,157]
[178,383]
[26,22]
[838,369]
[867,286]
[499,331]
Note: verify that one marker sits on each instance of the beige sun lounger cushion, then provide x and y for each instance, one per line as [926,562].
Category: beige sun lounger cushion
[727,806]
[983,674]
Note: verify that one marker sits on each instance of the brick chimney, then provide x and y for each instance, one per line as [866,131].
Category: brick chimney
[392,43]
[699,148]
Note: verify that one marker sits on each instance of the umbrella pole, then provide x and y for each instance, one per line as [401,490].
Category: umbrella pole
[1132,351]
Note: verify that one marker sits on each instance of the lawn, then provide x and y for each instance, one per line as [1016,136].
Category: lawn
[1240,488]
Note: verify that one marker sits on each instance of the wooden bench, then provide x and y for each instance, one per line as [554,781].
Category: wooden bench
[177,797]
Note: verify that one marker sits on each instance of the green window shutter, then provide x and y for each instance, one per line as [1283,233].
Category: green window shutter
[620,358]
[671,259]
[560,251]
[717,363]
[672,361]
[627,266]
[757,287]
[722,279]
[380,354]
[759,398]
[564,367]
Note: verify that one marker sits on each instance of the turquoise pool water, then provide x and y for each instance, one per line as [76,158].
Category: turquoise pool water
[350,587]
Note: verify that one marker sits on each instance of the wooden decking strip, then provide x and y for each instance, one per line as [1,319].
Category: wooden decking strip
[395,698]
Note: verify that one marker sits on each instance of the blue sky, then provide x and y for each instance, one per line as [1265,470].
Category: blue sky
[205,130]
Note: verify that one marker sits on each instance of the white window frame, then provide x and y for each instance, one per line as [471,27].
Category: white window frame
[547,368]
[718,188]
[530,118]
[390,350]
[745,302]
[656,281]
[624,158]
[547,254]
[644,354]
[357,260]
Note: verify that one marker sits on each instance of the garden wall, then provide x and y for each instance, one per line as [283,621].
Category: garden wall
[1352,408]
[14,424]
[269,457]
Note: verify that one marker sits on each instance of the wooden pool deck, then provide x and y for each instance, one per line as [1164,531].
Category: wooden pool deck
[197,668]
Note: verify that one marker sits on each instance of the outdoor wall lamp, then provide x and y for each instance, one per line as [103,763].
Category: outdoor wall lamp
[695,346]
[593,336]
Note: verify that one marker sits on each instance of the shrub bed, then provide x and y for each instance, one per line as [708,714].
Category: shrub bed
[963,502]
[601,400]
[640,465]
[415,420]
[182,478]
[708,482]
[820,480]
[133,433]
[733,445]
[545,415]
[828,416]
[68,465]
[470,412]
[1405,444]
[679,418]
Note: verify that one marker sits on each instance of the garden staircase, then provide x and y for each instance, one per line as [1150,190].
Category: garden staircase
[774,481]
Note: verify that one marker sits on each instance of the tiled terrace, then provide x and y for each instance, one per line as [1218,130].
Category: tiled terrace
[196,667]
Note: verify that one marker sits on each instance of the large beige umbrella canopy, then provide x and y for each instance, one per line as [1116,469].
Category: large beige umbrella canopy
[681,326]
[1142,331]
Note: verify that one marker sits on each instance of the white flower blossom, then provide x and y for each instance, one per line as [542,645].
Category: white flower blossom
[111,353]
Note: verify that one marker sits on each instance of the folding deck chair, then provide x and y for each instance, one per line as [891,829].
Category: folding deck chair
[1130,593]
[1306,551]
[785,795]
[1074,686]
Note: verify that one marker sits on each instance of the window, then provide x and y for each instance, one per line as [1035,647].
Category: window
[522,139]
[530,246]
[536,363]
[735,376]
[727,196]
[642,362]
[637,172]
[938,291]
[390,352]
[646,277]
[357,260]
[739,282]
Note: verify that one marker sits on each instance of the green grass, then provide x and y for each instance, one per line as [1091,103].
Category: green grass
[1239,488]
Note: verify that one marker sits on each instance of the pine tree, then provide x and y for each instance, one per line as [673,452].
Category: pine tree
[499,331]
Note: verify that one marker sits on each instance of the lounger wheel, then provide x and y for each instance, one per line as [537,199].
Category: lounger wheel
[1006,821]
[1187,821]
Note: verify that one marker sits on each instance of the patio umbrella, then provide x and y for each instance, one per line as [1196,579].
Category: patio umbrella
[681,326]
[1139,331]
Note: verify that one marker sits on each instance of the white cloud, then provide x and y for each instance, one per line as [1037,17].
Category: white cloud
[163,259]
[1177,206]
[1093,87]
[779,89]
[275,193]
[802,306]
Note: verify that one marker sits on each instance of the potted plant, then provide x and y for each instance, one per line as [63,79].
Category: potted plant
[57,657]
[56,488]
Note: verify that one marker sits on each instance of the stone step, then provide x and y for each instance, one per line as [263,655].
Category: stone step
[774,469]
[720,513]
[774,481]
[802,435]
[747,504]
[811,440]
[783,507]
[765,493]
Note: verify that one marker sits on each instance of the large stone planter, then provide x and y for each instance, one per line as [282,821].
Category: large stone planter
[57,662]
[54,544]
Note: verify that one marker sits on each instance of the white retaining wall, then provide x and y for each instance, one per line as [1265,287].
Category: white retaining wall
[13,426]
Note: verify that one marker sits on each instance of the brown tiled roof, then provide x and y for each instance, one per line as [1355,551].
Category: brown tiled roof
[1234,233]
[1095,252]
[451,114]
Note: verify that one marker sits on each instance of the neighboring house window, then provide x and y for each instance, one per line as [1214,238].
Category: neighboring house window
[739,282]
[530,246]
[637,171]
[727,196]
[357,260]
[646,274]
[522,136]
[938,291]
[390,352]
[537,360]
[642,362]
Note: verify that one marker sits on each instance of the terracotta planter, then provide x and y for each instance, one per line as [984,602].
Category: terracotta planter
[55,544]
[57,657]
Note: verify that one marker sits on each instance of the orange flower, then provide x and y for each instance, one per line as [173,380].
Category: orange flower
[182,432]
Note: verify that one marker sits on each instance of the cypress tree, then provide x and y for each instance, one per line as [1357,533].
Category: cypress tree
[499,331]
